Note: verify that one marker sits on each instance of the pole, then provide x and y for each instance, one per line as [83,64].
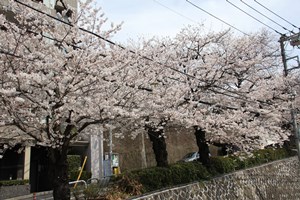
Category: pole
[101,154]
[282,39]
[283,55]
[143,152]
[81,171]
[110,148]
[295,130]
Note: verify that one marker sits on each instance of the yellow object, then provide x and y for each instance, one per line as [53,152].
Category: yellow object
[116,170]
[79,175]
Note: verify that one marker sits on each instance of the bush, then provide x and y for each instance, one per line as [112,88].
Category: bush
[221,165]
[188,172]
[154,178]
[270,154]
[129,186]
[93,191]
[258,157]
[84,176]
[74,162]
[14,182]
[158,177]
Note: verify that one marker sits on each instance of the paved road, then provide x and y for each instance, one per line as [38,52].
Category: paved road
[38,196]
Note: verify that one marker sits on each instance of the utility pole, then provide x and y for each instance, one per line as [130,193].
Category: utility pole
[295,129]
[294,41]
[283,55]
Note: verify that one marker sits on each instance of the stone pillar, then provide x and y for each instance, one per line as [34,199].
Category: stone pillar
[27,163]
[96,155]
[143,151]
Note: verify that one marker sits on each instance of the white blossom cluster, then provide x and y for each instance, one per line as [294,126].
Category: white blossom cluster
[57,81]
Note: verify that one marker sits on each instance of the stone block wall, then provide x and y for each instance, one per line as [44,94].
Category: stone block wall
[279,180]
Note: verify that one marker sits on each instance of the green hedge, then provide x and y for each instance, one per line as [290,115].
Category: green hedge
[158,177]
[221,165]
[185,172]
[14,182]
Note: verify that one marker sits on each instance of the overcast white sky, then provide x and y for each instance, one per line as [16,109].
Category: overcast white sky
[150,18]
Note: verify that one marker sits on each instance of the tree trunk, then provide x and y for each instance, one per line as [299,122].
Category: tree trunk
[159,147]
[59,174]
[202,146]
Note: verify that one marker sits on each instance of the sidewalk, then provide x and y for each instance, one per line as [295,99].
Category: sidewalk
[47,195]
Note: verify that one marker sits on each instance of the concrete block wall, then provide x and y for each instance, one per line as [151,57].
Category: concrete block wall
[279,180]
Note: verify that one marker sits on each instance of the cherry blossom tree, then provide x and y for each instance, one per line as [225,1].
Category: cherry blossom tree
[158,106]
[237,95]
[57,80]
[229,88]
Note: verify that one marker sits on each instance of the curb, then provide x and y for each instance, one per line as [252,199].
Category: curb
[32,195]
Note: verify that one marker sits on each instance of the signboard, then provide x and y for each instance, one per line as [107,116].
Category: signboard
[115,160]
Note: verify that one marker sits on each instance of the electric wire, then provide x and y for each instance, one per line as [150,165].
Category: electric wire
[275,14]
[66,23]
[266,16]
[144,57]
[253,17]
[102,38]
[174,11]
[198,7]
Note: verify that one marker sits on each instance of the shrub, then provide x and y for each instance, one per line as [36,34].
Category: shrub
[74,162]
[260,156]
[146,180]
[129,186]
[270,154]
[13,182]
[188,172]
[221,165]
[73,175]
[157,177]
[93,191]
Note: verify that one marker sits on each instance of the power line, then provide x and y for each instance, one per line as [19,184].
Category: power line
[174,11]
[66,23]
[102,38]
[265,16]
[144,57]
[275,14]
[216,17]
[254,17]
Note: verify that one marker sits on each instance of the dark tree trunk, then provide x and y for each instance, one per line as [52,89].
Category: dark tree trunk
[202,146]
[59,174]
[59,166]
[159,147]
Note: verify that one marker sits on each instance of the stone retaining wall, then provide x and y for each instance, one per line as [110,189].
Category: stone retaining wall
[279,180]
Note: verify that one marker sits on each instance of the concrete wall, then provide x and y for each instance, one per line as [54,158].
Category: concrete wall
[279,180]
[137,153]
